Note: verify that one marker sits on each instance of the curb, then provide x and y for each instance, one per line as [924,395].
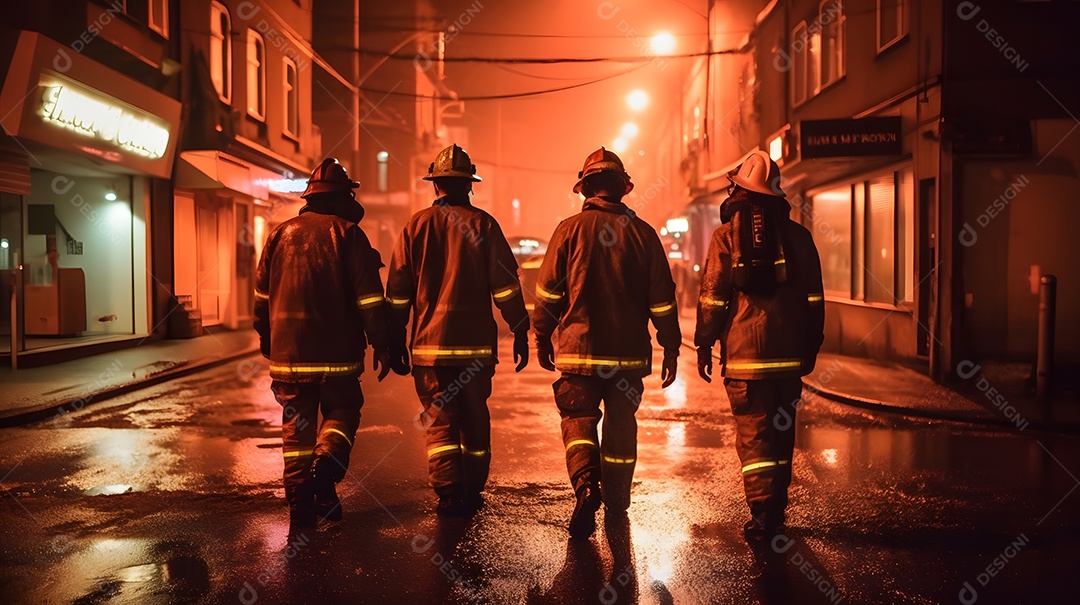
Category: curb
[880,406]
[41,411]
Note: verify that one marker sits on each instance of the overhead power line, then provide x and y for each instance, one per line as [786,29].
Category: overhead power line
[560,60]
[517,95]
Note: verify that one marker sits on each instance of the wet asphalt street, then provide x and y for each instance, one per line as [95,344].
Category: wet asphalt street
[172,495]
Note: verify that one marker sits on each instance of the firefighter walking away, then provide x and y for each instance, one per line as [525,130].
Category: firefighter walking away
[449,264]
[318,303]
[761,297]
[604,276]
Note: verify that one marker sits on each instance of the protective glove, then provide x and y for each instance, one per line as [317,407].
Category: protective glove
[399,361]
[545,353]
[381,360]
[669,369]
[521,350]
[704,363]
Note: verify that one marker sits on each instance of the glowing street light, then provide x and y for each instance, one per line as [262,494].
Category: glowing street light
[637,100]
[629,130]
[663,43]
[620,144]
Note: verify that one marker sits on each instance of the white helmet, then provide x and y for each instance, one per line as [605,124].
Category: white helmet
[758,173]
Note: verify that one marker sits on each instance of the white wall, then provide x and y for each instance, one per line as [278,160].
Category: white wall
[105,229]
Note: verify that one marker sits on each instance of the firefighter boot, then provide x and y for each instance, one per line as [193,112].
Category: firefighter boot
[583,521]
[301,506]
[326,502]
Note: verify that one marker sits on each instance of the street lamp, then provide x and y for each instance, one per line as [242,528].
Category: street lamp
[629,130]
[620,144]
[637,100]
[663,43]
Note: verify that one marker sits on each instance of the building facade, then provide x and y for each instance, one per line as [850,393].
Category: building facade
[928,149]
[90,116]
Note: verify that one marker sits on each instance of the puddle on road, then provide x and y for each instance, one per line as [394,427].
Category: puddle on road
[130,570]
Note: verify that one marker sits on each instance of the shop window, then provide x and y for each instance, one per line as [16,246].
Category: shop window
[832,234]
[891,24]
[256,75]
[292,99]
[221,51]
[158,16]
[864,233]
[831,17]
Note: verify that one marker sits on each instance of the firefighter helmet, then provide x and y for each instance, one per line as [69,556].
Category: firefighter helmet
[452,163]
[758,173]
[329,176]
[603,160]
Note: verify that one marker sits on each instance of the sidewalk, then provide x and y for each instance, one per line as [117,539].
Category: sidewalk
[994,394]
[37,393]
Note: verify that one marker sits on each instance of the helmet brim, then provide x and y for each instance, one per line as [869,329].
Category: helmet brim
[327,187]
[453,174]
[614,170]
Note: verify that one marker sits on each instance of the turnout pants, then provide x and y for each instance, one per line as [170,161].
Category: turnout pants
[458,426]
[610,463]
[765,439]
[304,438]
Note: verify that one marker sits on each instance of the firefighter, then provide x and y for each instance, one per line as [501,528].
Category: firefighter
[318,303]
[761,297]
[450,262]
[603,277]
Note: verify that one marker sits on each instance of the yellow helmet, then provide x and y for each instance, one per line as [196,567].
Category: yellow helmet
[453,163]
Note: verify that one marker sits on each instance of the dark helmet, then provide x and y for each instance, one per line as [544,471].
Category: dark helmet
[329,176]
[452,163]
[603,160]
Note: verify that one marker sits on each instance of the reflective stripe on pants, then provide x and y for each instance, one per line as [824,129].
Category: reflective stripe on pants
[304,438]
[612,463]
[764,413]
[458,425]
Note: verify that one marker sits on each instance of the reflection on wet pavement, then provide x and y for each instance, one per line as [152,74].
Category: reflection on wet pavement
[172,495]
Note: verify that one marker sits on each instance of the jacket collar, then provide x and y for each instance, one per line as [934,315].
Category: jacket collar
[346,208]
[607,205]
[448,200]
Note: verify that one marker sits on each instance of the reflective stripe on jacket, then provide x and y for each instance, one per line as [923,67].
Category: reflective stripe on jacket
[318,298]
[604,276]
[449,264]
[773,336]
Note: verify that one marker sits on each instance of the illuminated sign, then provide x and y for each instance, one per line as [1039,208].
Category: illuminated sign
[97,116]
[678,225]
[842,138]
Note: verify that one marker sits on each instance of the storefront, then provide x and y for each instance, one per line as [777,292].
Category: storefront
[76,177]
[222,208]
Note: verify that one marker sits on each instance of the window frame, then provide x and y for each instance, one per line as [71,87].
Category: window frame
[841,58]
[163,27]
[224,61]
[287,128]
[798,65]
[901,29]
[256,75]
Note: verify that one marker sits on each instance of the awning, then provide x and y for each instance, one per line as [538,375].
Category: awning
[211,169]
